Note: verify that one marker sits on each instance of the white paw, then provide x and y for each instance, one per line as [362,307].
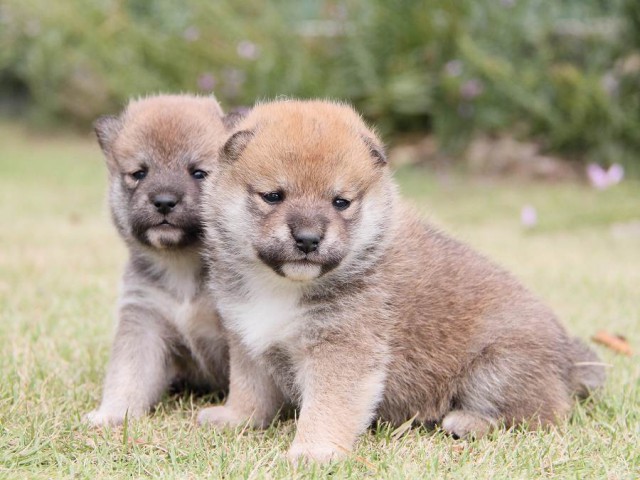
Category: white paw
[99,418]
[220,417]
[308,452]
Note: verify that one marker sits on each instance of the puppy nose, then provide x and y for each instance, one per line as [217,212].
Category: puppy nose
[164,202]
[307,242]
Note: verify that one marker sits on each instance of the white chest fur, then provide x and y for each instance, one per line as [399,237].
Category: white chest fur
[177,296]
[195,318]
[268,313]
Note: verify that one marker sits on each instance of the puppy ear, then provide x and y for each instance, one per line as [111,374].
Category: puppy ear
[106,128]
[231,119]
[375,150]
[216,105]
[235,145]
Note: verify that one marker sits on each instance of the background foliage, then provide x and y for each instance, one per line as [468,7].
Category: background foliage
[565,74]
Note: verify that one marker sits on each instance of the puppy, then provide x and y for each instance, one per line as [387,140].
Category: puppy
[158,153]
[338,299]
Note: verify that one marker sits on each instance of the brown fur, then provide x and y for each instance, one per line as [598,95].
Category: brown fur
[168,331]
[388,318]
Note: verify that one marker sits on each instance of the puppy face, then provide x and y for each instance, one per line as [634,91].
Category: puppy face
[303,189]
[159,151]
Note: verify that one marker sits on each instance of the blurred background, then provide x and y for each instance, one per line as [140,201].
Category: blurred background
[532,84]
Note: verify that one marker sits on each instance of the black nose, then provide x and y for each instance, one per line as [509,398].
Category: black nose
[164,202]
[307,242]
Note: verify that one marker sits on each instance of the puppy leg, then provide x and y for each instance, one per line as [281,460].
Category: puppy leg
[139,371]
[509,387]
[253,395]
[341,388]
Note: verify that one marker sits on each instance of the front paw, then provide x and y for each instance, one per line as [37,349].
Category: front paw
[113,415]
[99,418]
[308,452]
[221,416]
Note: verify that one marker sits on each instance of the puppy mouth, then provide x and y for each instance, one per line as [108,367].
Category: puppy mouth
[302,268]
[304,261]
[166,226]
[165,231]
[166,234]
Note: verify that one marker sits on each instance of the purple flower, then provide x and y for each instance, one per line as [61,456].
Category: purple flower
[471,89]
[248,50]
[242,110]
[206,82]
[454,68]
[601,178]
[528,216]
[191,34]
[466,110]
[615,173]
[233,80]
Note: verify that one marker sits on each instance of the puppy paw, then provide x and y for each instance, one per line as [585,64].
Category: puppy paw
[306,452]
[99,418]
[464,424]
[113,415]
[221,416]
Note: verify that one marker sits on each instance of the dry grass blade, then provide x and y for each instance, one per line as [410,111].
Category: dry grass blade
[404,428]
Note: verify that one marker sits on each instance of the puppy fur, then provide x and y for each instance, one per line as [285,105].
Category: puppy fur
[359,310]
[168,331]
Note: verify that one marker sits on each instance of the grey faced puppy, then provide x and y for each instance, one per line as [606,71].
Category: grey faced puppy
[158,153]
[339,299]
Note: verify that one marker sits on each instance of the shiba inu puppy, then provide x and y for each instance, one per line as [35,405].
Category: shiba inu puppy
[337,298]
[158,153]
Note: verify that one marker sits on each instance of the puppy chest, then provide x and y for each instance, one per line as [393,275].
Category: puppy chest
[264,321]
[194,319]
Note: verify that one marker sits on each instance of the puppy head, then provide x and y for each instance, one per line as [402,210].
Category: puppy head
[158,152]
[303,189]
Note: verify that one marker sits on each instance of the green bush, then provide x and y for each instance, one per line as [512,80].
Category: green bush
[565,73]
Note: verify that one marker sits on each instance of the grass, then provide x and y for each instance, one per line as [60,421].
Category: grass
[60,262]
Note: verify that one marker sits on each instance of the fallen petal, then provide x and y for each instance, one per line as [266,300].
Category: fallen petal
[597,176]
[616,343]
[615,174]
[528,216]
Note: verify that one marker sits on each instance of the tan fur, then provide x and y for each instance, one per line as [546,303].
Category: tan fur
[387,318]
[168,331]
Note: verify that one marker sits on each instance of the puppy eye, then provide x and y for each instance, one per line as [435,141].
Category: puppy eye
[273,197]
[199,174]
[341,203]
[139,174]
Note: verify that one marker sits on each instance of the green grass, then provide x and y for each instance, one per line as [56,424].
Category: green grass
[60,262]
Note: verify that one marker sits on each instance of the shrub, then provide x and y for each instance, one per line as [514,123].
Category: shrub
[565,73]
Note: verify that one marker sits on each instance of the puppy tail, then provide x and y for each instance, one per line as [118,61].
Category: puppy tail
[588,371]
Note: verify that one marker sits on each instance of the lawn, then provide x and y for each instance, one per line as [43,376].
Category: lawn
[60,261]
